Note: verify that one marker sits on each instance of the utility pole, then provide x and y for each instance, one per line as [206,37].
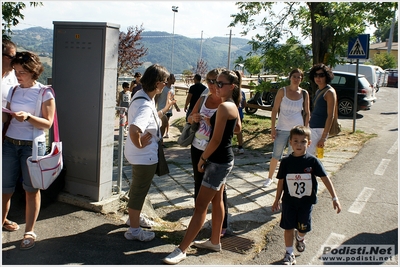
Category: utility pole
[174,10]
[391,33]
[229,49]
[201,45]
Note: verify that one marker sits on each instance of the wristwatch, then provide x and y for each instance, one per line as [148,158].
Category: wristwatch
[28,117]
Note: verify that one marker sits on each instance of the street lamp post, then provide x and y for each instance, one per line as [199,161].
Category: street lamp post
[174,10]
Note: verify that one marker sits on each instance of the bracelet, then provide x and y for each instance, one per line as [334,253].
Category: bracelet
[205,160]
[334,199]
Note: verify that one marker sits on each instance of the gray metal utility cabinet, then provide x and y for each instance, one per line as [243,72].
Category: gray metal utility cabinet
[85,57]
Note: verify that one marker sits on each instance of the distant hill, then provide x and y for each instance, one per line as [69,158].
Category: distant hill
[159,44]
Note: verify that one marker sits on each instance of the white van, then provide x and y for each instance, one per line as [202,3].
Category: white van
[369,71]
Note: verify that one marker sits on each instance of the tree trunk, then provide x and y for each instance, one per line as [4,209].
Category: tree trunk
[321,36]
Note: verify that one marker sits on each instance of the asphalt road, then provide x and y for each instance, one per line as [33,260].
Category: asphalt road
[367,187]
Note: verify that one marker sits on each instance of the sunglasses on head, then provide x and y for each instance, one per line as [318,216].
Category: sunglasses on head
[221,84]
[25,57]
[321,75]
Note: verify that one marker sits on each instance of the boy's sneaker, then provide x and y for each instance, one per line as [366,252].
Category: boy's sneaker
[300,245]
[208,245]
[289,259]
[141,236]
[267,182]
[175,257]
[144,222]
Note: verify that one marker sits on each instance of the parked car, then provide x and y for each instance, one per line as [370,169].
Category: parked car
[392,77]
[369,71]
[344,84]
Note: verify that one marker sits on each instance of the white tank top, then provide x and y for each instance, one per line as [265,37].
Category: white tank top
[202,136]
[290,113]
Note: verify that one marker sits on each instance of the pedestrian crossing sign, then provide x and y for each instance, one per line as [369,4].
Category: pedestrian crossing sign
[359,47]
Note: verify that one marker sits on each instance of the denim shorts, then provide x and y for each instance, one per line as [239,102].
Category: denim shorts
[280,142]
[15,167]
[215,174]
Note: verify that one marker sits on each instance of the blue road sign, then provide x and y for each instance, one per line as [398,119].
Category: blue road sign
[358,47]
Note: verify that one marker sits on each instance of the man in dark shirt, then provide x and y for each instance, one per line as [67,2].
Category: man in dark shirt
[194,94]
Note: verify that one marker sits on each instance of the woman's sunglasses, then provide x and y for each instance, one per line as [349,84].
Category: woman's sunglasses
[211,81]
[321,75]
[221,84]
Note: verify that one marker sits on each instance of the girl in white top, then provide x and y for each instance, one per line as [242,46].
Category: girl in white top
[17,146]
[289,103]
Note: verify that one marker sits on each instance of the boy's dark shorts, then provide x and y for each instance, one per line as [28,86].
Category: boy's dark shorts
[168,114]
[298,217]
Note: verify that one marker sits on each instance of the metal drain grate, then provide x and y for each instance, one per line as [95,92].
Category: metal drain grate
[236,244]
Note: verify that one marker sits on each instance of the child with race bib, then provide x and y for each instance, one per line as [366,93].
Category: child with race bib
[297,180]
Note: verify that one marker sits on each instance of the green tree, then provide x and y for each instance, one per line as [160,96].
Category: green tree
[382,32]
[281,59]
[253,64]
[12,13]
[329,24]
[384,60]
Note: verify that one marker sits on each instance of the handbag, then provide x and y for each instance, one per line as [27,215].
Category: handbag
[187,135]
[336,127]
[43,170]
[189,131]
[162,165]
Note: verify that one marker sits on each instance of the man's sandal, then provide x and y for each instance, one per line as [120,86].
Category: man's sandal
[10,226]
[29,241]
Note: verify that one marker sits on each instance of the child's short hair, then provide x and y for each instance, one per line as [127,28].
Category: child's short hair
[300,130]
[125,85]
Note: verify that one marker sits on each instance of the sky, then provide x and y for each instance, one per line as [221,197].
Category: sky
[194,19]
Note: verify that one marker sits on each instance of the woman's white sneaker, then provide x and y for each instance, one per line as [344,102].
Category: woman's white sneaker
[175,257]
[144,222]
[141,236]
[208,245]
[267,182]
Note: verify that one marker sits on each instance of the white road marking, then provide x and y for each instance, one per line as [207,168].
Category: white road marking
[380,170]
[333,240]
[393,149]
[361,200]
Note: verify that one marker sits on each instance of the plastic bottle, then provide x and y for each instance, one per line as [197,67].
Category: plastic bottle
[320,152]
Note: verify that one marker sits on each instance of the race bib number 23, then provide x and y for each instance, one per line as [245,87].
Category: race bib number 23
[299,184]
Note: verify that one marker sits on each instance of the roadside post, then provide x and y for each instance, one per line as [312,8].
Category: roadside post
[358,48]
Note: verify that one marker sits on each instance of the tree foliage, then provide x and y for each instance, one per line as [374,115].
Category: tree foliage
[329,24]
[253,65]
[384,60]
[12,14]
[282,59]
[130,50]
[382,32]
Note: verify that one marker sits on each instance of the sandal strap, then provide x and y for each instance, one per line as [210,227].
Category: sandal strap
[31,233]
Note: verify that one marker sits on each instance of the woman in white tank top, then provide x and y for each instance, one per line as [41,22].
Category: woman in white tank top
[289,104]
